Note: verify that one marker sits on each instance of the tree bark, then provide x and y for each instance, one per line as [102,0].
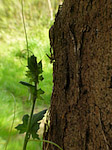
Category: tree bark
[81,103]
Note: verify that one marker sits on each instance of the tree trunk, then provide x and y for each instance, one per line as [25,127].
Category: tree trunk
[81,103]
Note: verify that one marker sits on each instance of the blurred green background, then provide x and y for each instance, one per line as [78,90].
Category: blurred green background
[14,97]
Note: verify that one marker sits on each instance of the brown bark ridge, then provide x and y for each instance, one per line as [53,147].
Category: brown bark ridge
[81,103]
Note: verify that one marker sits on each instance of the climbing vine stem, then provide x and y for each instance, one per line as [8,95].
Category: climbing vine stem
[23,18]
[27,136]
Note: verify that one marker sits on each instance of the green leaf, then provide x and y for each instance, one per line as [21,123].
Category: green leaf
[40,67]
[26,84]
[34,131]
[23,127]
[40,97]
[35,69]
[40,91]
[35,125]
[32,73]
[40,78]
[31,76]
[38,116]
[32,63]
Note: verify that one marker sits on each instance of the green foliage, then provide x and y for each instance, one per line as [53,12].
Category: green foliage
[30,123]
[23,127]
[34,124]
[26,84]
[39,92]
[12,67]
[35,70]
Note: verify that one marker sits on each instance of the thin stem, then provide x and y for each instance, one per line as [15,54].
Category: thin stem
[46,141]
[24,26]
[27,136]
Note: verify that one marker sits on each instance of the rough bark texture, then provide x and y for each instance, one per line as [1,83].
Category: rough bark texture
[81,104]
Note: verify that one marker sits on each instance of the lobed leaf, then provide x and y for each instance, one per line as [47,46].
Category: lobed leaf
[34,130]
[32,63]
[37,117]
[40,91]
[40,78]
[35,69]
[40,67]
[22,128]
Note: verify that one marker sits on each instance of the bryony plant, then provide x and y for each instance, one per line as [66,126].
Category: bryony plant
[30,124]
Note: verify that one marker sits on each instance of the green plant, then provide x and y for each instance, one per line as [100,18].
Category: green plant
[31,123]
[34,73]
[12,69]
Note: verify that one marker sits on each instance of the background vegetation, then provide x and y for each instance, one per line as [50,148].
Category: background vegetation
[13,96]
